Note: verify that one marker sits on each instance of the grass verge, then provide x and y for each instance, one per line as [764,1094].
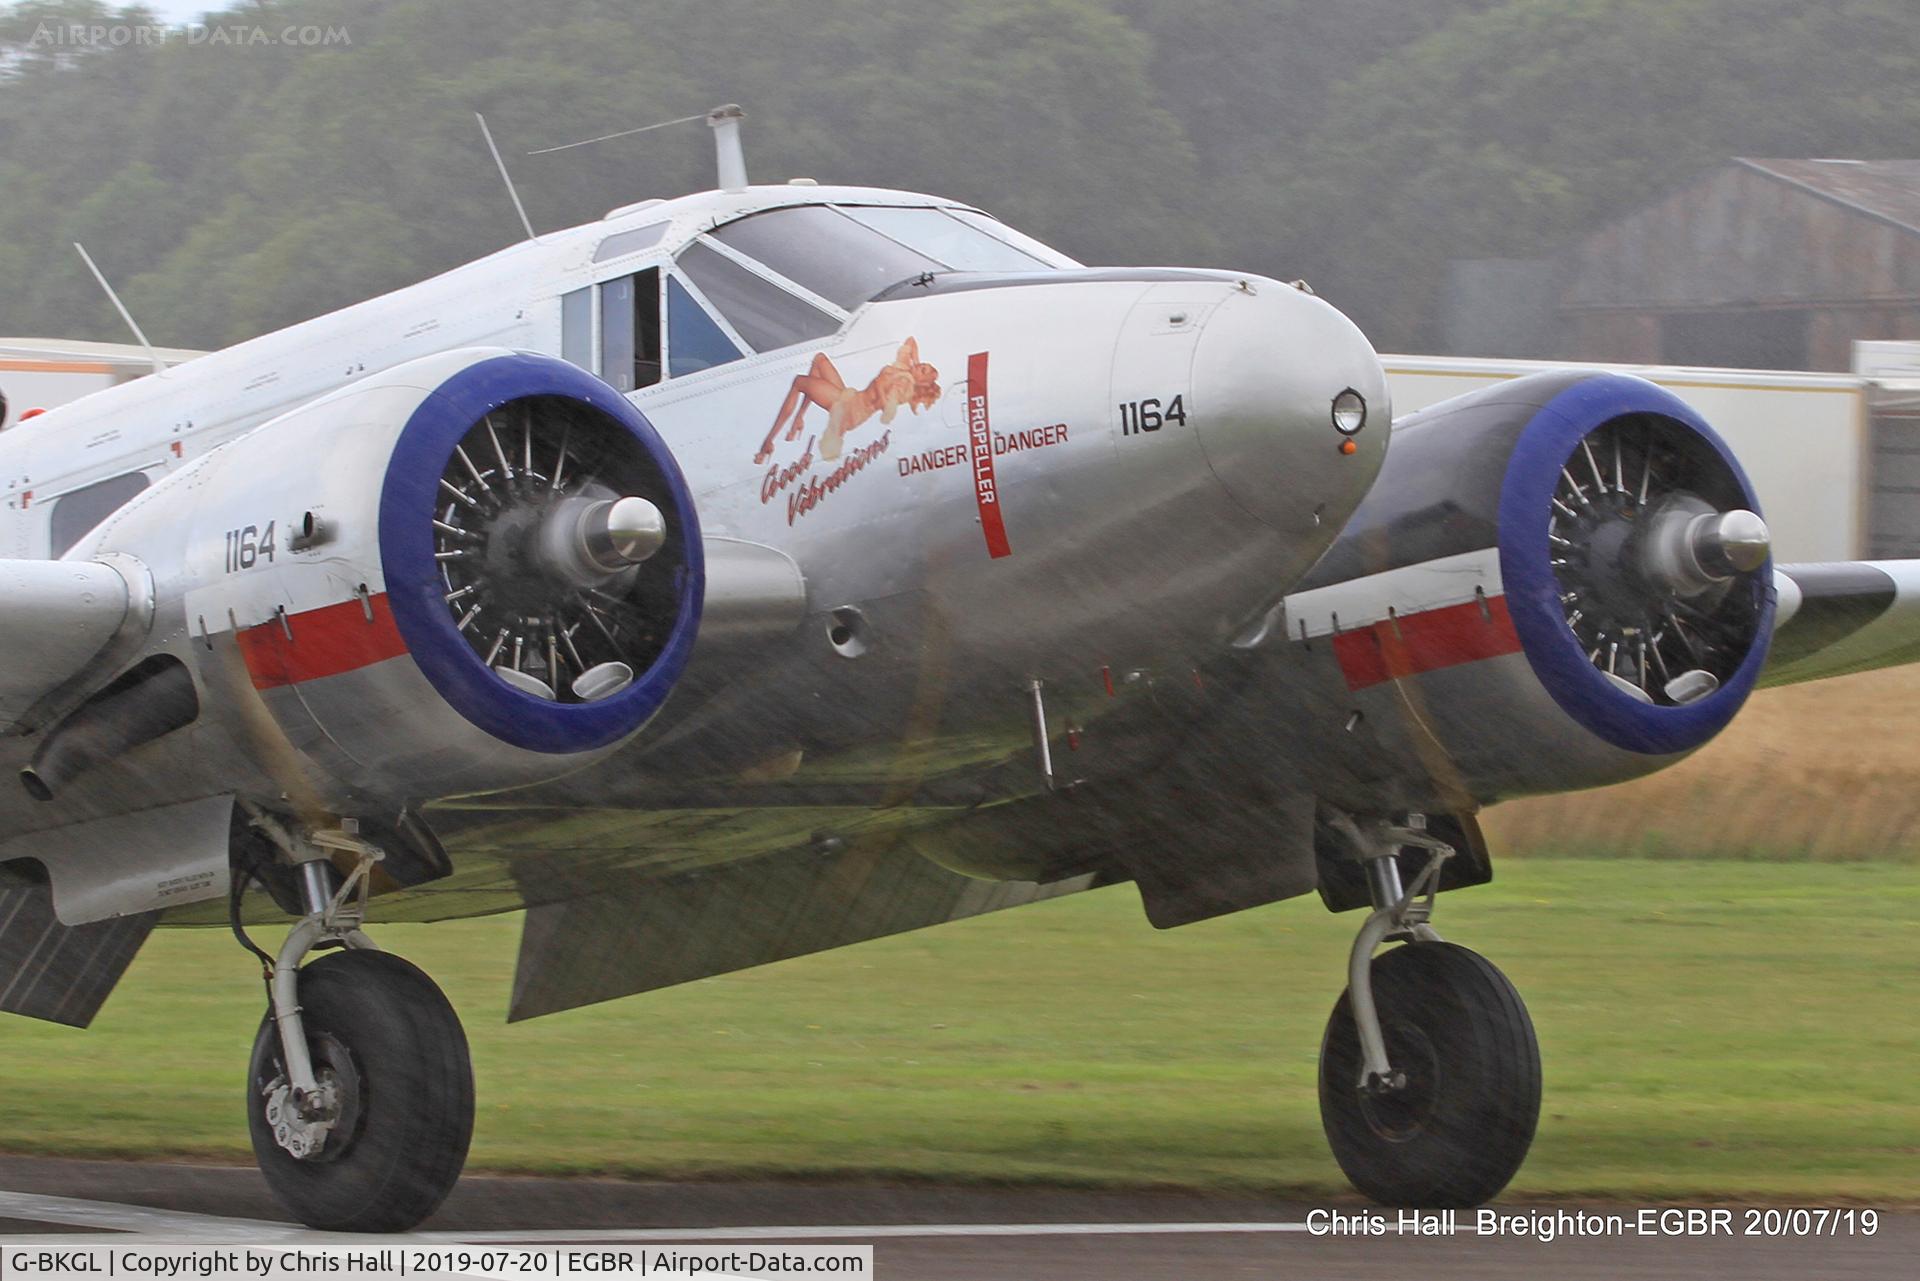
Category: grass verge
[1709,1030]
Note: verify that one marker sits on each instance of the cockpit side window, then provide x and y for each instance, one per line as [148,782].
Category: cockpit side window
[694,340]
[988,225]
[761,312]
[825,251]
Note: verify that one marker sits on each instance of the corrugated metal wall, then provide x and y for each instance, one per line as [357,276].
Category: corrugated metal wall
[1893,501]
[1739,242]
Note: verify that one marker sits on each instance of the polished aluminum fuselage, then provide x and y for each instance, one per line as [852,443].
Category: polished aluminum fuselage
[1024,546]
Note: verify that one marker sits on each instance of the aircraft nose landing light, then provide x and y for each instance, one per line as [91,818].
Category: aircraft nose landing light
[1349,412]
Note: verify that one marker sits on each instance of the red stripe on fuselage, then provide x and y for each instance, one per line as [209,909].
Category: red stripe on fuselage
[1425,642]
[325,642]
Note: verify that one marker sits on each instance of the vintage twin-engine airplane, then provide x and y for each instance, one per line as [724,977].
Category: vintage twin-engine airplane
[780,567]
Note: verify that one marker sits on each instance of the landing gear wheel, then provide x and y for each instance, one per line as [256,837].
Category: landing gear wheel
[387,1140]
[1458,1127]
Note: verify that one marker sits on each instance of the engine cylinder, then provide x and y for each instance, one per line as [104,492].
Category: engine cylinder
[475,570]
[1556,582]
[1594,482]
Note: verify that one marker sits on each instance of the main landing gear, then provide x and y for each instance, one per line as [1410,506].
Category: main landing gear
[360,1091]
[1429,1071]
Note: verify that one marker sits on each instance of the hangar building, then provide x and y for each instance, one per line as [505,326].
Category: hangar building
[1759,264]
[1811,266]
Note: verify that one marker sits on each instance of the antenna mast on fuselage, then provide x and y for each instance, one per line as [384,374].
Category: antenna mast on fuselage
[501,165]
[159,366]
[723,120]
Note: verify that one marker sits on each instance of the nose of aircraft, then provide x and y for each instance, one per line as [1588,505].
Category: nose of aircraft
[1294,413]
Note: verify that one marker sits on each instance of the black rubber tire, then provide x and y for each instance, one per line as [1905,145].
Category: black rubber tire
[406,1136]
[1460,1130]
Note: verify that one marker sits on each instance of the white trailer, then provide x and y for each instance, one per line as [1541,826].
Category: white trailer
[1835,457]
[40,373]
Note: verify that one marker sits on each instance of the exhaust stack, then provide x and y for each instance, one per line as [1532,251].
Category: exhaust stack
[154,698]
[725,123]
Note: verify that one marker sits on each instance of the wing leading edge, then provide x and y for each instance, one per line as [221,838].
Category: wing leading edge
[56,616]
[1843,617]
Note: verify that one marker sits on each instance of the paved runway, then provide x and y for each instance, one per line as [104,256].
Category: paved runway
[939,1233]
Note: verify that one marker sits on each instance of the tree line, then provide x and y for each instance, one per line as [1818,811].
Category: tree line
[232,186]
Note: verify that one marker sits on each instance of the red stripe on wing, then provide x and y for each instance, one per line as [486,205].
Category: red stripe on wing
[1425,642]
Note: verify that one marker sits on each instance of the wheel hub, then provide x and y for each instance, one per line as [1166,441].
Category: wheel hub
[302,1127]
[321,1125]
[1400,1109]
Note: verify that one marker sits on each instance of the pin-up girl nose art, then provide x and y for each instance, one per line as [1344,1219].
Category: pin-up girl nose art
[907,381]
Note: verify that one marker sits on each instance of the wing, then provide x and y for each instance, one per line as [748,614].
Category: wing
[620,901]
[56,618]
[1850,616]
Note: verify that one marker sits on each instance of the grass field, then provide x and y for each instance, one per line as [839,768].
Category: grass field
[1823,771]
[1711,1029]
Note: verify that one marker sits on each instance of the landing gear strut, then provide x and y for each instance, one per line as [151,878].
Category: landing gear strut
[1429,1071]
[360,1090]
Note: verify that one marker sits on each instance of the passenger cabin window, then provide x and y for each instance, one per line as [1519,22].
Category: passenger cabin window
[576,328]
[761,312]
[76,515]
[630,330]
[695,340]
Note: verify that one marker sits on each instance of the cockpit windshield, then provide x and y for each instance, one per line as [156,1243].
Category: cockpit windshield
[942,236]
[847,254]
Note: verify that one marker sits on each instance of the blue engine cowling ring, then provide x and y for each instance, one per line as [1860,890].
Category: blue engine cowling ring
[1532,589]
[408,504]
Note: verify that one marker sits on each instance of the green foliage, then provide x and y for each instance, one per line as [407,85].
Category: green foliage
[1509,132]
[234,189]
